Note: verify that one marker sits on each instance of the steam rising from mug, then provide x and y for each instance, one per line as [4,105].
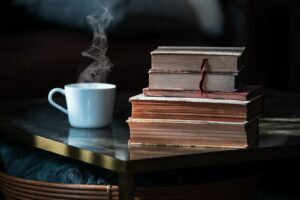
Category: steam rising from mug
[100,67]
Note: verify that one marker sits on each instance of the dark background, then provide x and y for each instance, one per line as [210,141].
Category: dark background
[37,55]
[41,54]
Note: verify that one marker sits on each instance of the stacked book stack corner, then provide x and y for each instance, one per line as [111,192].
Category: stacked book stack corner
[174,109]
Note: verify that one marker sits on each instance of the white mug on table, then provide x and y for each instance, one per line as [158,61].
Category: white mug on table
[89,105]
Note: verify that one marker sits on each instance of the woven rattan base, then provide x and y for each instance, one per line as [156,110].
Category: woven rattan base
[22,189]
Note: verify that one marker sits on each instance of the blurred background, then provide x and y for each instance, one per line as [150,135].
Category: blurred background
[41,40]
[41,43]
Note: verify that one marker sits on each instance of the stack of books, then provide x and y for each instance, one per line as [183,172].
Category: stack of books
[195,98]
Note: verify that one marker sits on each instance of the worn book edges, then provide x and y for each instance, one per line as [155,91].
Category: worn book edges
[219,59]
[244,93]
[192,133]
[177,108]
[183,80]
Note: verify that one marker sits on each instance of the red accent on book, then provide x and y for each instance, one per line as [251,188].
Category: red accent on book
[203,72]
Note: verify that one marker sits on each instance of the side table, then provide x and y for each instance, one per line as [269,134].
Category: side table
[36,123]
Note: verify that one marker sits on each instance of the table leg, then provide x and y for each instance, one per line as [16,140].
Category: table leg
[126,186]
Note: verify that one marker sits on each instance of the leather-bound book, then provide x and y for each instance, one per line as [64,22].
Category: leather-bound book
[190,80]
[177,108]
[219,59]
[192,133]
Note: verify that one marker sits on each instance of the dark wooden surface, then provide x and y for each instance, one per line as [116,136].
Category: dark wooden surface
[36,123]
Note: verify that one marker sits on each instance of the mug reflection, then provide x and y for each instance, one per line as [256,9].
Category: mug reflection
[91,138]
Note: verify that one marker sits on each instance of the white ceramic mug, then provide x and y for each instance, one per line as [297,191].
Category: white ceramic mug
[89,105]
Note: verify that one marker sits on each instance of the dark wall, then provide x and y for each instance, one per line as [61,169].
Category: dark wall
[273,44]
[294,43]
[269,29]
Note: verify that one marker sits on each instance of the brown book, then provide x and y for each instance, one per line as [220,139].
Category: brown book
[177,108]
[189,80]
[244,93]
[192,133]
[219,59]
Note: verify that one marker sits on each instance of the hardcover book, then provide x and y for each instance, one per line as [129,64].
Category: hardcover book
[188,80]
[219,59]
[192,133]
[178,108]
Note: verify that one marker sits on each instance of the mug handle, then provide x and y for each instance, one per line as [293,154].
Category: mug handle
[50,99]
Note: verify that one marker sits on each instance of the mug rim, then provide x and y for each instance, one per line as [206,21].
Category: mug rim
[77,86]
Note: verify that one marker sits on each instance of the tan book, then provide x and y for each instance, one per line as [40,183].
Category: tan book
[192,133]
[184,80]
[244,93]
[219,59]
[178,108]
